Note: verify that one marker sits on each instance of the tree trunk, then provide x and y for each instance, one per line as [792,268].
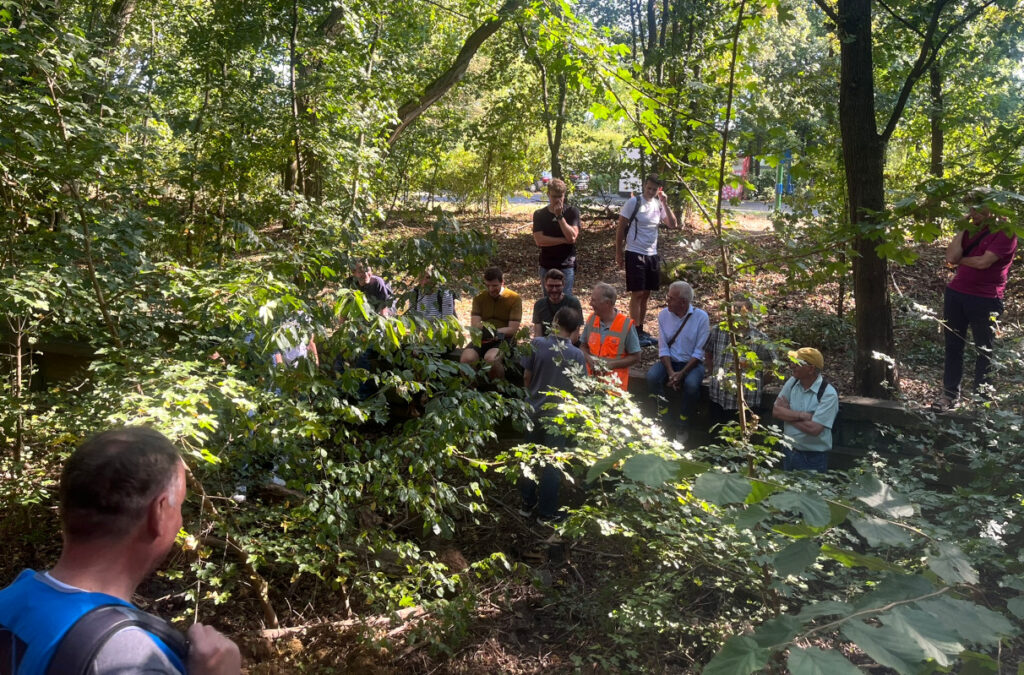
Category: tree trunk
[935,115]
[864,161]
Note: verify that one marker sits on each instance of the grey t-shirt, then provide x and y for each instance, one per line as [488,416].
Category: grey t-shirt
[549,365]
[131,651]
[544,310]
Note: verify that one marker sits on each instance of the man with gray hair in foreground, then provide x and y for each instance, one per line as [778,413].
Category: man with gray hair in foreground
[683,331]
[120,506]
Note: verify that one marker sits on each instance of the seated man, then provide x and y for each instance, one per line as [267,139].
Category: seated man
[683,332]
[545,308]
[496,313]
[376,290]
[724,399]
[609,342]
[430,300]
[547,368]
[120,508]
[807,405]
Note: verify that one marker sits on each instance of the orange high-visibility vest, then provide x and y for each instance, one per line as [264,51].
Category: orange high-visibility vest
[614,343]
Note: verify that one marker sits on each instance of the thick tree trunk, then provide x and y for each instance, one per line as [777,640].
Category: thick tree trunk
[864,160]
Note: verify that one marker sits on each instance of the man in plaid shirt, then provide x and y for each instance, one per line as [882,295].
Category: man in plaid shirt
[724,402]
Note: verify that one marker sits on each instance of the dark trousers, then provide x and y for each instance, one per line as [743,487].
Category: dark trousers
[804,460]
[961,311]
[545,495]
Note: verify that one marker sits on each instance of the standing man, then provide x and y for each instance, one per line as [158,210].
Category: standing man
[683,332]
[636,248]
[545,308]
[496,313]
[555,230]
[724,397]
[974,297]
[807,405]
[609,342]
[547,369]
[120,508]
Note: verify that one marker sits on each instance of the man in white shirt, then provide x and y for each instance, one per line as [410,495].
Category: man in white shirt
[636,248]
[683,331]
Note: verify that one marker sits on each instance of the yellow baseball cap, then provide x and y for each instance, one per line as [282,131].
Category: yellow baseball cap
[810,356]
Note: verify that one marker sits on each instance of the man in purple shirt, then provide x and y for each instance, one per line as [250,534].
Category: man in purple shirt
[974,298]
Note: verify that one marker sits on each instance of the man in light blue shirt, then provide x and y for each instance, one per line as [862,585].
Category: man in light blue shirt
[807,405]
[683,330]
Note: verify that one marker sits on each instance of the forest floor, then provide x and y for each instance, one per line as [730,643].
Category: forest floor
[517,627]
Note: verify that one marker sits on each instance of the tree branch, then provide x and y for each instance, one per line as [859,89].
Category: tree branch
[899,18]
[408,113]
[830,11]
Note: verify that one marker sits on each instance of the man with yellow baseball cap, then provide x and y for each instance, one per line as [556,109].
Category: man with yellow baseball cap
[807,405]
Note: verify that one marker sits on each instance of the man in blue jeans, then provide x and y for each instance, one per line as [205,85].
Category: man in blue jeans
[683,331]
[807,405]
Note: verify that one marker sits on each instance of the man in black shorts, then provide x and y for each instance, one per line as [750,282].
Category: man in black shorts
[636,248]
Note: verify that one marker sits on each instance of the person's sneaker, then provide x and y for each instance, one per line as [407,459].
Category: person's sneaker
[558,517]
[646,339]
[944,404]
[682,436]
[527,510]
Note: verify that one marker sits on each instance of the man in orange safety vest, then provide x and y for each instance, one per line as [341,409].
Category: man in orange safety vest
[610,343]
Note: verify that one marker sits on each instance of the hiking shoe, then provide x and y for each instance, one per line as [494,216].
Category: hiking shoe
[526,510]
[943,404]
[647,340]
[558,517]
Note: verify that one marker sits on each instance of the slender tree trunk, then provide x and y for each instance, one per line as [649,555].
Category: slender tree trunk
[864,161]
[293,39]
[935,116]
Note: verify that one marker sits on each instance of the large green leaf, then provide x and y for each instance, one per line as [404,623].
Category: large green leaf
[824,608]
[777,632]
[877,531]
[650,470]
[877,494]
[721,488]
[854,559]
[814,661]
[926,631]
[885,646]
[796,557]
[760,489]
[972,622]
[813,508]
[750,516]
[895,588]
[602,465]
[952,566]
[973,663]
[1016,605]
[741,655]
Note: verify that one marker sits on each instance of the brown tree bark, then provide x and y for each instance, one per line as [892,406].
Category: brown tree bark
[864,161]
[935,117]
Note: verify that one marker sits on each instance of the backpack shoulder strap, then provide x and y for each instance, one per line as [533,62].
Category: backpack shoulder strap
[80,645]
[821,389]
[632,218]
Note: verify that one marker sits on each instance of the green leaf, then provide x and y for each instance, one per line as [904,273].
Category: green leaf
[751,516]
[650,470]
[814,661]
[926,631]
[973,663]
[1016,605]
[740,655]
[952,566]
[775,633]
[887,647]
[824,608]
[760,490]
[602,465]
[895,588]
[972,622]
[877,532]
[877,494]
[721,488]
[813,508]
[853,559]
[796,557]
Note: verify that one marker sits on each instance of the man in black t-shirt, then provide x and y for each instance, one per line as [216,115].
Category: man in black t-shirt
[545,308]
[555,230]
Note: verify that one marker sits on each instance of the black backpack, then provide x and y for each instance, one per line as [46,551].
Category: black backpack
[839,409]
[78,648]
